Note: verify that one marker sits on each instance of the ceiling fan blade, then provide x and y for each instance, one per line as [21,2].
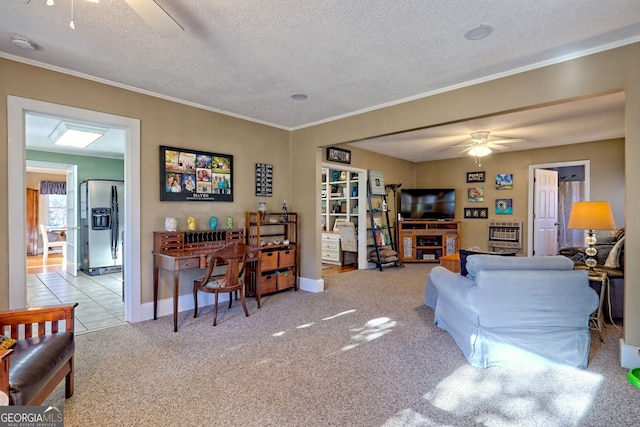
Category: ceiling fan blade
[156,17]
[506,140]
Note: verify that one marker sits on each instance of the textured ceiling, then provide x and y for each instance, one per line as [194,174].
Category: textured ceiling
[246,58]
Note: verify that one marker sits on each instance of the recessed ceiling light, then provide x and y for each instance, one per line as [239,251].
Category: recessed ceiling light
[299,96]
[479,32]
[75,135]
[23,43]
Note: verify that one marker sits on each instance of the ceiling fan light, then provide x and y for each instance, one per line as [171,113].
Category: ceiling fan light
[480,151]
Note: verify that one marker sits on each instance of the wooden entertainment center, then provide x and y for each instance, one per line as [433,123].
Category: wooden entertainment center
[427,241]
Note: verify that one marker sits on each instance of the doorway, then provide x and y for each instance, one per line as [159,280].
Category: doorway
[17,108]
[578,172]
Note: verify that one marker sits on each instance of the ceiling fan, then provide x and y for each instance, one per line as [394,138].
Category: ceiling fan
[150,11]
[156,17]
[480,145]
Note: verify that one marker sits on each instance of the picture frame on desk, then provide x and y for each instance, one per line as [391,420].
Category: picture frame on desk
[195,175]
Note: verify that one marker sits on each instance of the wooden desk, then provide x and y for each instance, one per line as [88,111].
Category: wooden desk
[183,250]
[179,260]
[451,262]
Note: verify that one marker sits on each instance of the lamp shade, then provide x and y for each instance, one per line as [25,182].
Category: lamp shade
[591,216]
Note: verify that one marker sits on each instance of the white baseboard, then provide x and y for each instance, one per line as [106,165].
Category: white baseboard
[629,355]
[185,302]
[311,285]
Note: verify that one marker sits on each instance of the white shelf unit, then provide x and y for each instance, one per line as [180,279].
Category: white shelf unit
[352,207]
[340,196]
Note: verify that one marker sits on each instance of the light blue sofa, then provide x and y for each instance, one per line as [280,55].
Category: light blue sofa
[515,311]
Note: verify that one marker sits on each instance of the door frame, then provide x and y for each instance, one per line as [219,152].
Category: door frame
[17,108]
[587,179]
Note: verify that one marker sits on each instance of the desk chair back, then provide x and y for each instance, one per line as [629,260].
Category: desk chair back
[225,273]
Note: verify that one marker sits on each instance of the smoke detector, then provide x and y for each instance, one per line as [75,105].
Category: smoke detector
[23,43]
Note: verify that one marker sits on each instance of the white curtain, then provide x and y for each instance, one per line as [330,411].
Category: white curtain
[569,192]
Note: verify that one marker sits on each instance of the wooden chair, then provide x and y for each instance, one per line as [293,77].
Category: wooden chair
[43,355]
[225,273]
[348,240]
[46,244]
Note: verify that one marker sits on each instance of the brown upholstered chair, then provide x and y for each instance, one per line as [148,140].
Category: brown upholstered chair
[42,356]
[225,273]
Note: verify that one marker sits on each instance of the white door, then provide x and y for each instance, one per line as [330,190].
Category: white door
[545,208]
[72,221]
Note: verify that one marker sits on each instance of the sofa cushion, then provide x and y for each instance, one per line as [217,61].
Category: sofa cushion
[44,356]
[465,253]
[476,263]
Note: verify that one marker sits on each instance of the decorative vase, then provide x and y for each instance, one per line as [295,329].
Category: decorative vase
[354,192]
[191,223]
[170,224]
[229,222]
[262,209]
[213,222]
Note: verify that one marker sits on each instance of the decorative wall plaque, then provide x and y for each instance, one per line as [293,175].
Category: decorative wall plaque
[264,180]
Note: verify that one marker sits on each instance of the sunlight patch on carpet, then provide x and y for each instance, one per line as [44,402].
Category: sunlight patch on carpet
[543,395]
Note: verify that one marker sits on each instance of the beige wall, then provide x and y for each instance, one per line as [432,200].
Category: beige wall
[607,182]
[162,123]
[604,72]
[34,178]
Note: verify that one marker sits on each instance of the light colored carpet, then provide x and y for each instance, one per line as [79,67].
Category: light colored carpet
[363,353]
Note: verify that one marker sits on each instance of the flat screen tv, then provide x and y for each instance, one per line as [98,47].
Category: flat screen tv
[428,204]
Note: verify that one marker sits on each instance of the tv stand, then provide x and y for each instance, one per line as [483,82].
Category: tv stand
[427,241]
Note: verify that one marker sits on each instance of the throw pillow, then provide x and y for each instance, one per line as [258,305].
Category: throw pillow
[6,343]
[613,260]
[465,253]
[384,253]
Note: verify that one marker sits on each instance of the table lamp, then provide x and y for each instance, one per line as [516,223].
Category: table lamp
[591,216]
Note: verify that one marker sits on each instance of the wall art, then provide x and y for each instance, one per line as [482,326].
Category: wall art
[376,183]
[194,175]
[475,194]
[504,181]
[504,206]
[475,176]
[340,155]
[264,180]
[477,213]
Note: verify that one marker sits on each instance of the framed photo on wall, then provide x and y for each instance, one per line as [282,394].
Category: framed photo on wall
[504,206]
[193,175]
[475,176]
[478,213]
[376,183]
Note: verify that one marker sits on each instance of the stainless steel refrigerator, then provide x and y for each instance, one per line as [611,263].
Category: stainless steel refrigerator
[102,225]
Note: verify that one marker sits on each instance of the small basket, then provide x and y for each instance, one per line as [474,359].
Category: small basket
[269,260]
[287,258]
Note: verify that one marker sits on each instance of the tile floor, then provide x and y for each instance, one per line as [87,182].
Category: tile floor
[99,298]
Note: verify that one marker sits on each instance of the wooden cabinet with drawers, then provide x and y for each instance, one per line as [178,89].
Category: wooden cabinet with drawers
[331,253]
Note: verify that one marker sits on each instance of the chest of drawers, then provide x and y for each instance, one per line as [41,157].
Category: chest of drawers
[331,253]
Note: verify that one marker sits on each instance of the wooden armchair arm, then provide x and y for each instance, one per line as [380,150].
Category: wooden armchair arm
[17,320]
[4,370]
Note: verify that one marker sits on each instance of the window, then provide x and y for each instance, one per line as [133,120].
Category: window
[56,210]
